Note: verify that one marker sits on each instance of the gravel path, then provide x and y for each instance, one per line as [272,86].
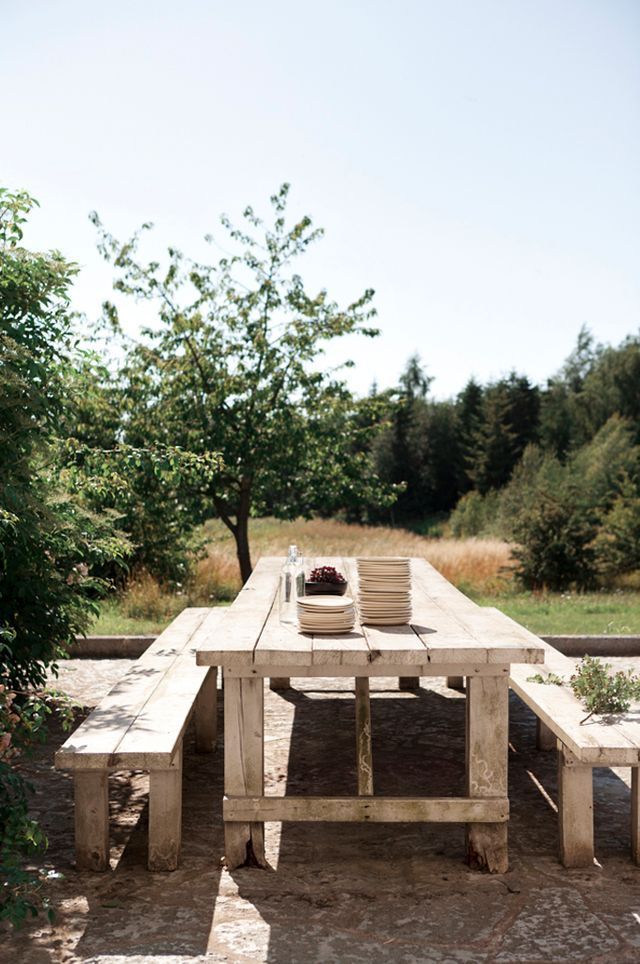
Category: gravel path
[338,893]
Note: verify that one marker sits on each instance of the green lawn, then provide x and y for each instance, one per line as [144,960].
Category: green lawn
[588,614]
[112,621]
[597,613]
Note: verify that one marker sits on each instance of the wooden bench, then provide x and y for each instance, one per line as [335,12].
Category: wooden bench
[580,748]
[140,725]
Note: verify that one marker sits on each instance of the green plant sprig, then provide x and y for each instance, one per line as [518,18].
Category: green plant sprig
[602,692]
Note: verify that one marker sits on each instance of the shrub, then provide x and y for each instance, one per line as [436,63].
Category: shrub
[554,548]
[601,692]
[617,544]
[474,515]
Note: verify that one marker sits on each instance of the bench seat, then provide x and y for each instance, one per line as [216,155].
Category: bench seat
[140,725]
[580,746]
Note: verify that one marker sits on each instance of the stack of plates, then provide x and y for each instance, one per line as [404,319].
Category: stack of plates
[326,614]
[384,598]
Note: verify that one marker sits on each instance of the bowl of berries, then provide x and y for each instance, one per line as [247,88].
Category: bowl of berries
[325,581]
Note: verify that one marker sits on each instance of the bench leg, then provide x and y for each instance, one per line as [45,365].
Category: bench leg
[575,810]
[545,738]
[409,682]
[244,767]
[363,737]
[206,713]
[91,789]
[165,815]
[487,719]
[279,683]
[455,682]
[635,814]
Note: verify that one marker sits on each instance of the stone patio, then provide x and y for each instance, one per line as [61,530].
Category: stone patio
[341,892]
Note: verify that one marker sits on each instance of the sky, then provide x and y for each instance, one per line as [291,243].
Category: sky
[476,162]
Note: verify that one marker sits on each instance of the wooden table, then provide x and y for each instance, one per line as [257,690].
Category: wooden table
[449,636]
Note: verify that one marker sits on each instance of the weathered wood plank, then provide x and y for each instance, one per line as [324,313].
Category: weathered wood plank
[206,712]
[575,810]
[281,644]
[366,809]
[380,669]
[364,757]
[235,638]
[487,726]
[91,809]
[244,766]
[157,731]
[165,815]
[635,815]
[95,741]
[594,742]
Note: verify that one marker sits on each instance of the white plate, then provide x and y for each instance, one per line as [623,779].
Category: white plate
[385,560]
[325,602]
[395,621]
[327,622]
[325,630]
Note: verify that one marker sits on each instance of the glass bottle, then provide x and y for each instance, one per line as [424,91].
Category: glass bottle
[291,587]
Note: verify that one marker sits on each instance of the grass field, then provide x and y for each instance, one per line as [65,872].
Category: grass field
[480,567]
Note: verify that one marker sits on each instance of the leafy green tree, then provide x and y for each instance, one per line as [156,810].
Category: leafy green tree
[617,544]
[49,542]
[232,367]
[153,488]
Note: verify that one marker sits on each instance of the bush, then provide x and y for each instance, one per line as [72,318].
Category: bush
[474,515]
[555,536]
[617,544]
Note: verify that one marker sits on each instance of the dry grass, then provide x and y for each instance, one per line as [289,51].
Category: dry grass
[480,564]
[477,565]
[145,599]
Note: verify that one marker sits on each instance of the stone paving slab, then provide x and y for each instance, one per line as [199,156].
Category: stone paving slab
[341,893]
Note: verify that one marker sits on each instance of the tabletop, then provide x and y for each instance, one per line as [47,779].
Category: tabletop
[446,629]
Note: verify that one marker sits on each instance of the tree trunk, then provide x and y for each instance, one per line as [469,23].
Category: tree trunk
[242,533]
[242,549]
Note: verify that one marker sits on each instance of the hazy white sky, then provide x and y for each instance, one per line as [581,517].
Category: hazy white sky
[477,162]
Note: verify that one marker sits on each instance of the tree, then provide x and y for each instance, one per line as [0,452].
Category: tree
[510,418]
[231,368]
[469,417]
[49,542]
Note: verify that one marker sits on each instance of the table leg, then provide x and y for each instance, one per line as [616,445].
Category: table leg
[206,713]
[363,737]
[455,682]
[487,710]
[635,814]
[244,766]
[277,683]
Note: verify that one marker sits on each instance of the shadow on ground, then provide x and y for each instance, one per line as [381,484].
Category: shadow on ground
[344,892]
